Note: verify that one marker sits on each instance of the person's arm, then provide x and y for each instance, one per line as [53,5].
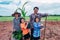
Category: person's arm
[13,25]
[20,26]
[42,27]
[28,26]
[44,15]
[31,23]
[30,18]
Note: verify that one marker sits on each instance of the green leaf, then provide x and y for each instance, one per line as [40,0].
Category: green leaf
[24,4]
[23,10]
[17,34]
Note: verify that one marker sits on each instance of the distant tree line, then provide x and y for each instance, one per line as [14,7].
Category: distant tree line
[48,15]
[54,15]
[0,16]
[5,16]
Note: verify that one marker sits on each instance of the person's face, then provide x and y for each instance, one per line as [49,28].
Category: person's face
[35,10]
[16,15]
[22,20]
[37,20]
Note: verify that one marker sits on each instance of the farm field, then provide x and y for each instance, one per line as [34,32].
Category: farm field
[52,28]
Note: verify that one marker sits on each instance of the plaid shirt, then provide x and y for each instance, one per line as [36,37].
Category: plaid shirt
[16,23]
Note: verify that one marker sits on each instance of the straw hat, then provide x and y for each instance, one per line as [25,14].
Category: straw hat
[16,13]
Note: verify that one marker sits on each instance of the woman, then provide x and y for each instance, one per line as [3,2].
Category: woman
[24,28]
[16,21]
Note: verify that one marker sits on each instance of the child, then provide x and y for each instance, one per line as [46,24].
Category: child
[36,27]
[25,30]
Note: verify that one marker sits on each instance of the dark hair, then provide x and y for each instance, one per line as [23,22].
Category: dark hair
[21,19]
[35,19]
[36,8]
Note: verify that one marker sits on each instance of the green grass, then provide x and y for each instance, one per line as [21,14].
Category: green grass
[5,18]
[52,18]
[49,18]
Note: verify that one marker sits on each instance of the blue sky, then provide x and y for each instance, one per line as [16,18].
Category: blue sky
[8,7]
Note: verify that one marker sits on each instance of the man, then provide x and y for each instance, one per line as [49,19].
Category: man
[32,17]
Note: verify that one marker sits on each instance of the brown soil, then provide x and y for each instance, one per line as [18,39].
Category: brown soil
[52,30]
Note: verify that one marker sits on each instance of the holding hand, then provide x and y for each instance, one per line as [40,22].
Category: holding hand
[42,27]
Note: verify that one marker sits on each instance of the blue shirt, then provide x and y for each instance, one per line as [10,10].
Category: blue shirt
[36,26]
[16,23]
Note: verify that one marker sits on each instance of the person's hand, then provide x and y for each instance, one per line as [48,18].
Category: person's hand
[46,14]
[42,25]
[14,29]
[26,24]
[42,29]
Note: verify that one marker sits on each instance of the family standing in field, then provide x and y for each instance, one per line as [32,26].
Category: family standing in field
[29,30]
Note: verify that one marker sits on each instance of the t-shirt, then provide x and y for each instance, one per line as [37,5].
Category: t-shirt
[36,26]
[24,28]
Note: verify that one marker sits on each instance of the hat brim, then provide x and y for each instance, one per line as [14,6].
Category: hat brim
[16,13]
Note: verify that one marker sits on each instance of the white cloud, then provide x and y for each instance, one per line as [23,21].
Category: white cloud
[47,6]
[5,0]
[16,2]
[10,7]
[46,1]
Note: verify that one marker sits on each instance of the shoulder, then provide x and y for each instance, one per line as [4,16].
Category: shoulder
[20,24]
[19,17]
[39,22]
[32,14]
[39,13]
[34,23]
[13,19]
